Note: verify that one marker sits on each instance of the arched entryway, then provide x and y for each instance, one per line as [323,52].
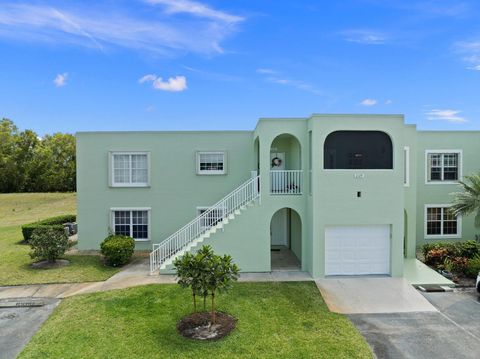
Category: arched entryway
[285,165]
[286,240]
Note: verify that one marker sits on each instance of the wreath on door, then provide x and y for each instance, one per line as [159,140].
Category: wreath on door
[276,162]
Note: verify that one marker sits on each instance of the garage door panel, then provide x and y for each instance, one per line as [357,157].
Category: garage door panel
[357,250]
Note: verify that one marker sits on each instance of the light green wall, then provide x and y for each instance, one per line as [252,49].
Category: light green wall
[335,201]
[296,235]
[469,143]
[175,189]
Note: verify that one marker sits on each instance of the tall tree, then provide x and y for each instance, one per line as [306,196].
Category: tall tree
[31,164]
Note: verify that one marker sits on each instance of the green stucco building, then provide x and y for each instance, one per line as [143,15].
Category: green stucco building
[327,194]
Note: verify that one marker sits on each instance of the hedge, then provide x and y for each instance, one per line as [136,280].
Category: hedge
[52,222]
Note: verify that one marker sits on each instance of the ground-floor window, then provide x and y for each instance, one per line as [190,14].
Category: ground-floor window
[133,223]
[441,222]
[210,217]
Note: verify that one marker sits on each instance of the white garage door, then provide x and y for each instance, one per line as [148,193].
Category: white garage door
[357,250]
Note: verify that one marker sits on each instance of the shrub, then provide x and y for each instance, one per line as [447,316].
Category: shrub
[473,267]
[468,249]
[117,249]
[52,222]
[48,243]
[436,256]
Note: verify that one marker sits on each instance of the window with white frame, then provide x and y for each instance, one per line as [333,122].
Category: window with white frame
[443,166]
[441,222]
[210,217]
[130,169]
[211,163]
[132,223]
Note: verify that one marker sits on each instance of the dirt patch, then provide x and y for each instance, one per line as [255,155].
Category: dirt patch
[49,265]
[198,326]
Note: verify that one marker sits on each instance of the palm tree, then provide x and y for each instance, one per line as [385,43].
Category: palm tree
[468,201]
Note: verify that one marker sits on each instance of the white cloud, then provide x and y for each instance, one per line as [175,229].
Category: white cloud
[388,102]
[61,79]
[474,68]
[149,77]
[266,71]
[172,84]
[445,115]
[276,77]
[196,9]
[201,31]
[369,102]
[150,108]
[470,52]
[366,37]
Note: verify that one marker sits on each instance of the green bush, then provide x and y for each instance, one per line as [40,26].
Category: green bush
[473,267]
[468,249]
[117,249]
[48,243]
[52,222]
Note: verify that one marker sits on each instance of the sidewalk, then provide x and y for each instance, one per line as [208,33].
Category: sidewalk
[134,274]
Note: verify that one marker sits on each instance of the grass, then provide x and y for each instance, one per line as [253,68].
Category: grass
[21,208]
[275,320]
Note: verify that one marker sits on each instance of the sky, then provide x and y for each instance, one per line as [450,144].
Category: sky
[220,65]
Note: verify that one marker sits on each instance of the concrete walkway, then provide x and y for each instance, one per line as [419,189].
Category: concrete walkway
[134,274]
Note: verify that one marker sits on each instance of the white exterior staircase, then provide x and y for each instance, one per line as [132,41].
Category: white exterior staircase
[203,226]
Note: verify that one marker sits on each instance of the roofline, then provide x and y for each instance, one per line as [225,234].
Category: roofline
[445,131]
[161,132]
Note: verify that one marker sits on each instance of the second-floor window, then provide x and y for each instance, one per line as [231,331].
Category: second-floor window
[443,166]
[211,163]
[129,169]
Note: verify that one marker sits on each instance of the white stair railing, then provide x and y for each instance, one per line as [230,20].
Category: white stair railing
[215,214]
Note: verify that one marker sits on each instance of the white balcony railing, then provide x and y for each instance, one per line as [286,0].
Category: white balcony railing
[286,182]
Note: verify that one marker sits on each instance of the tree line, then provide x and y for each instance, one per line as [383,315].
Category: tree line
[29,163]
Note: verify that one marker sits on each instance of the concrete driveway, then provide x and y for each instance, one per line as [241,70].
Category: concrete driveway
[452,332]
[361,295]
[18,325]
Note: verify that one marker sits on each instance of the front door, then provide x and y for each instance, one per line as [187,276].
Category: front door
[279,228]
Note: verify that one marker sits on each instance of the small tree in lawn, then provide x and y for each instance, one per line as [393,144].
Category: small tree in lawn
[206,274]
[188,274]
[220,274]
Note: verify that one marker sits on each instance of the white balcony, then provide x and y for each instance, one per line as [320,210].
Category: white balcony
[286,182]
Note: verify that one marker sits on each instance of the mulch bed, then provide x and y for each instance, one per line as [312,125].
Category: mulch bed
[49,265]
[198,326]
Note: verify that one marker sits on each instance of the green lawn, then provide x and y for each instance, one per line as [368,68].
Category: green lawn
[20,208]
[275,320]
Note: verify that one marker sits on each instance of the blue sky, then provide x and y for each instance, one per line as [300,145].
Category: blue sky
[182,64]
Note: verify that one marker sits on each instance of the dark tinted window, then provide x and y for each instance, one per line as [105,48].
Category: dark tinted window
[358,150]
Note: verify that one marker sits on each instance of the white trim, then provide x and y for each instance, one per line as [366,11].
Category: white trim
[211,172]
[111,164]
[406,174]
[460,165]
[148,209]
[440,236]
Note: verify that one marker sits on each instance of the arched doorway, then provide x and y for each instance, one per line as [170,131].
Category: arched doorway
[286,240]
[285,165]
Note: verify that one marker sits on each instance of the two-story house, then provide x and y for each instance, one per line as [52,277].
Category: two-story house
[327,194]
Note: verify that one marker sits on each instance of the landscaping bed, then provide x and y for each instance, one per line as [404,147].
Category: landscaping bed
[458,261]
[274,320]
